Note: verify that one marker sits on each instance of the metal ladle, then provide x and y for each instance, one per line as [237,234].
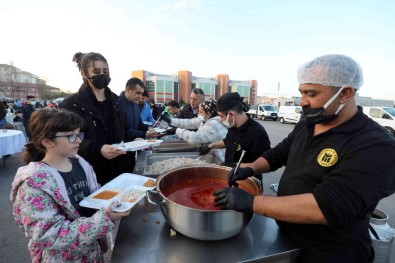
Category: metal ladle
[238,165]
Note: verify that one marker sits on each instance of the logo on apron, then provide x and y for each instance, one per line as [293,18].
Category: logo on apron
[327,157]
[238,148]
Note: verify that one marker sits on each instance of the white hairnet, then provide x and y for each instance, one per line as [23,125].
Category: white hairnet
[331,70]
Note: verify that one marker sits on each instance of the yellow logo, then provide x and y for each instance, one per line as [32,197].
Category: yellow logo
[327,157]
[238,147]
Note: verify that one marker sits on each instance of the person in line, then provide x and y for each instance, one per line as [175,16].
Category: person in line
[173,109]
[145,109]
[208,125]
[191,111]
[244,133]
[104,118]
[154,109]
[18,116]
[339,165]
[27,110]
[47,191]
[3,117]
[129,98]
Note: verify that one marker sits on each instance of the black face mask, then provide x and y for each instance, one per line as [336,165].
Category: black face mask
[101,81]
[319,115]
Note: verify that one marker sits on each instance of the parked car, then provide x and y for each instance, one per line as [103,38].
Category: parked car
[263,111]
[385,116]
[290,114]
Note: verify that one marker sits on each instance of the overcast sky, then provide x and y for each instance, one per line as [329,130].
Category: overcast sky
[262,40]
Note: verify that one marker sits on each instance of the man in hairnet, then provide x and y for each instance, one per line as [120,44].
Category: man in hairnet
[339,164]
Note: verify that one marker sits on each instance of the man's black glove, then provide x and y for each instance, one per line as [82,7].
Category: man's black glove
[234,198]
[171,131]
[165,118]
[242,173]
[204,150]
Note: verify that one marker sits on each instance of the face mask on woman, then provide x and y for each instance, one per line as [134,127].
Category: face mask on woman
[227,124]
[200,117]
[101,81]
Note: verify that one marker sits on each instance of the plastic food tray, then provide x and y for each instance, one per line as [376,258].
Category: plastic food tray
[158,157]
[137,145]
[122,184]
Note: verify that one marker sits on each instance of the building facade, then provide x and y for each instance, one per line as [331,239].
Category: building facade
[17,84]
[163,88]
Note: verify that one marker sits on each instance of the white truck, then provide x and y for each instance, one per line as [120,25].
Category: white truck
[263,111]
[290,114]
[385,116]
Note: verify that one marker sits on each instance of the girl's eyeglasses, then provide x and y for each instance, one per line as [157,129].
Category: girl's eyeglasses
[72,137]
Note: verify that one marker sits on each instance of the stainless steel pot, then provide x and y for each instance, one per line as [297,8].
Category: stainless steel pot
[197,223]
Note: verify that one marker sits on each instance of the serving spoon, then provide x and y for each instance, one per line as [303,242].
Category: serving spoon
[237,166]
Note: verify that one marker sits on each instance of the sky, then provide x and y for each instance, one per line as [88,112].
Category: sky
[262,40]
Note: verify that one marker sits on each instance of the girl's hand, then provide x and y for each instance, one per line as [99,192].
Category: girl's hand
[116,215]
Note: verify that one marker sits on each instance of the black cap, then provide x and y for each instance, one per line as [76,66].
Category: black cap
[228,101]
[30,97]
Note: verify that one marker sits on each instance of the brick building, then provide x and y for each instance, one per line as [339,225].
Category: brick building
[17,84]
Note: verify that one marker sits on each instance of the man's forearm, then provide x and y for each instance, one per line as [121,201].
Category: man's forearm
[300,209]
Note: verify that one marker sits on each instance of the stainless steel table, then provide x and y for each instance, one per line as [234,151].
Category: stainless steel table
[144,236]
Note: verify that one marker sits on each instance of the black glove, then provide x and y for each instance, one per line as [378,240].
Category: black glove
[165,118]
[171,131]
[234,198]
[204,150]
[242,173]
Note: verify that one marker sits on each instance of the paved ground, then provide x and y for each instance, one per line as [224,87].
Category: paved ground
[13,242]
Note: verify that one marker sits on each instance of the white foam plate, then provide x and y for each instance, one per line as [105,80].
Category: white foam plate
[137,145]
[122,184]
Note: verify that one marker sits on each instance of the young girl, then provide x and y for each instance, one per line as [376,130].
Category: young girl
[46,193]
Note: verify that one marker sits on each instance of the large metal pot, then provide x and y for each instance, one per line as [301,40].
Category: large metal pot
[197,223]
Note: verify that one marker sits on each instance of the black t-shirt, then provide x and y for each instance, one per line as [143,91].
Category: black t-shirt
[348,169]
[251,137]
[77,186]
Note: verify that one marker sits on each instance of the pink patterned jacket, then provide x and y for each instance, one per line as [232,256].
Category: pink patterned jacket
[56,231]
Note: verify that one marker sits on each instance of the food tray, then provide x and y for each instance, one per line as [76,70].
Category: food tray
[137,145]
[157,157]
[161,130]
[122,184]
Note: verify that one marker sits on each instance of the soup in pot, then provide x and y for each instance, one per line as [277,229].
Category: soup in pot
[197,192]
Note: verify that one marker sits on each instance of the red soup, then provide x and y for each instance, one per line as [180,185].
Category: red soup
[197,192]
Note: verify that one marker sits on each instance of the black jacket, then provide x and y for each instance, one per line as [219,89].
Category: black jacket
[27,112]
[187,113]
[98,132]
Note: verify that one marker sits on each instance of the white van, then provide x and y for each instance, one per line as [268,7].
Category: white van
[289,114]
[263,111]
[385,116]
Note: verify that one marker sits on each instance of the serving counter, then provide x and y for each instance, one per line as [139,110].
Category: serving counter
[144,236]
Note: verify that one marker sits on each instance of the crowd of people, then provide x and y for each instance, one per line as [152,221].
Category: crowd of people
[339,163]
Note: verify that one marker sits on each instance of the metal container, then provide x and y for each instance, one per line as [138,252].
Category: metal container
[176,146]
[378,217]
[197,223]
[157,157]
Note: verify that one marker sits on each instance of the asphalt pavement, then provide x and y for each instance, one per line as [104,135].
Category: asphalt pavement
[13,243]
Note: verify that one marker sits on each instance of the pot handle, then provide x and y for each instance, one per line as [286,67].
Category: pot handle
[257,182]
[148,195]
